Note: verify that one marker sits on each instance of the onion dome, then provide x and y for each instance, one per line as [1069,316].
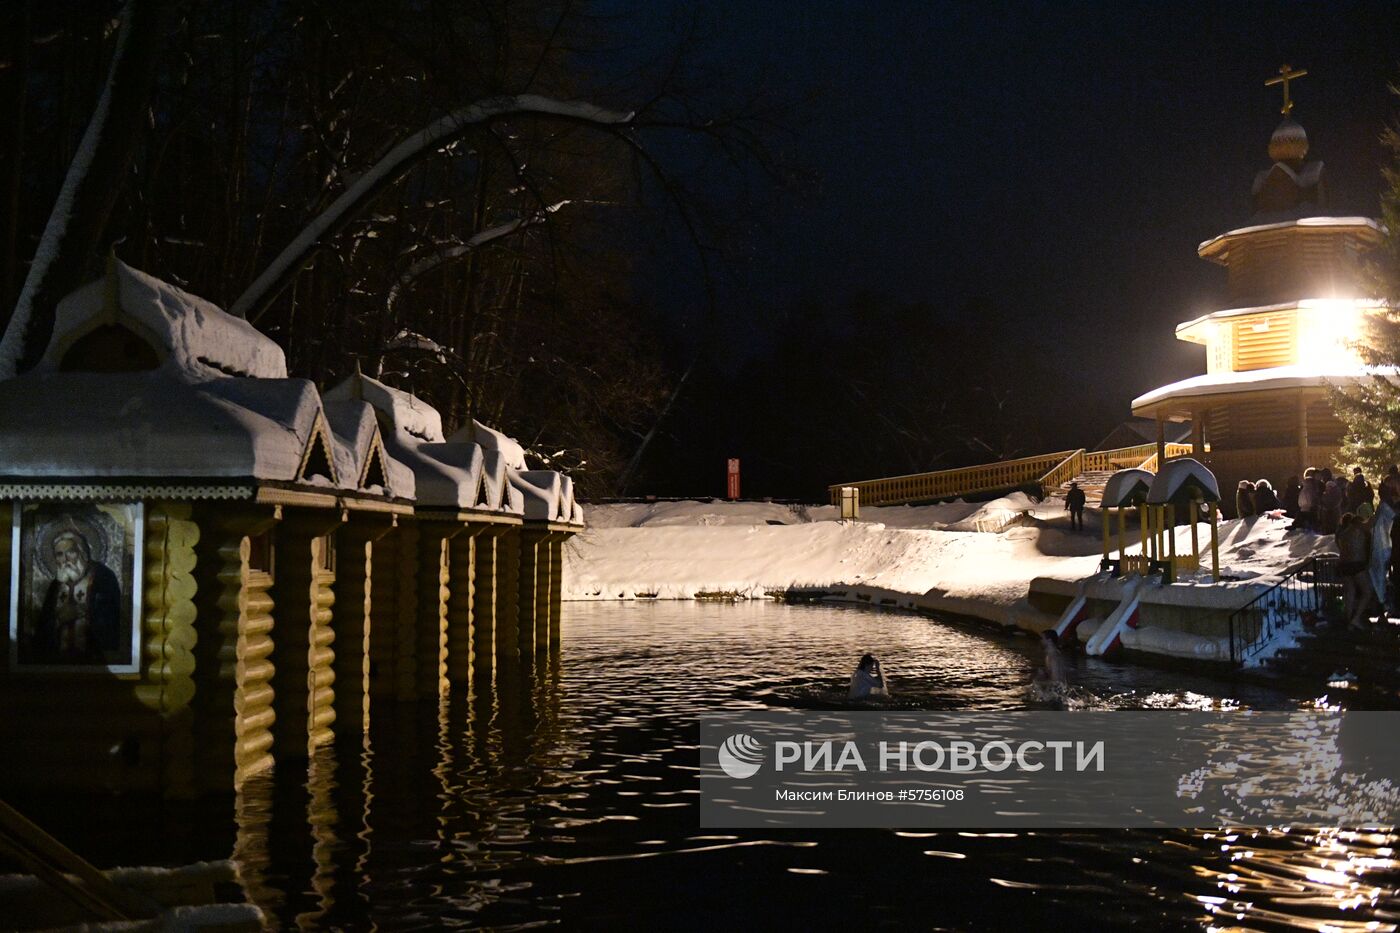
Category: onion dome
[1289,142]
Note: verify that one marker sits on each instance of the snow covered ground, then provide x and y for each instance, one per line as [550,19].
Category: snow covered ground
[679,550]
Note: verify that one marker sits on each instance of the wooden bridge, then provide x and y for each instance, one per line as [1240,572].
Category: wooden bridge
[1049,473]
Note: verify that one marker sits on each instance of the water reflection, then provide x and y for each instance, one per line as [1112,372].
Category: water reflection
[565,793]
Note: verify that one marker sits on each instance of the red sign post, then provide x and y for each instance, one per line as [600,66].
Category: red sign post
[732,490]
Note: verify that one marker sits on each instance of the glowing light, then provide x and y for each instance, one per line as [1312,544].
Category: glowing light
[1328,329]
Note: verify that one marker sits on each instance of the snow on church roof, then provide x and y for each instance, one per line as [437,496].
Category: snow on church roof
[1211,244]
[194,339]
[1300,304]
[1253,380]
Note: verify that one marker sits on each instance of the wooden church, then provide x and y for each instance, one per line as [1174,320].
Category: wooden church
[1295,300]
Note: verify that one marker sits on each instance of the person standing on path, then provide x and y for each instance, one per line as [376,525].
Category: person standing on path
[1074,503]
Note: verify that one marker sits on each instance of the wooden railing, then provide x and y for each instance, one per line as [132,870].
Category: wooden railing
[1064,471]
[950,484]
[1173,451]
[1047,471]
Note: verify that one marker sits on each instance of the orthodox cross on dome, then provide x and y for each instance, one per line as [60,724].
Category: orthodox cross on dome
[1286,73]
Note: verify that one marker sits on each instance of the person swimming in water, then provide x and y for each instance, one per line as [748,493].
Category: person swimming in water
[868,681]
[1054,670]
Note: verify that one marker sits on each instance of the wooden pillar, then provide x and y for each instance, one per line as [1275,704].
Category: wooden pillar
[1169,526]
[406,621]
[1303,463]
[303,657]
[462,573]
[1195,536]
[508,637]
[253,673]
[233,667]
[1215,541]
[384,615]
[321,636]
[556,587]
[544,567]
[1142,528]
[527,586]
[169,638]
[1161,440]
[484,613]
[354,624]
[1122,534]
[434,575]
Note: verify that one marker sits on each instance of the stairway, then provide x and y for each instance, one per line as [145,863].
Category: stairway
[1372,656]
[1092,482]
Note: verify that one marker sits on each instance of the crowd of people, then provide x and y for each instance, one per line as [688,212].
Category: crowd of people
[1318,501]
[1367,536]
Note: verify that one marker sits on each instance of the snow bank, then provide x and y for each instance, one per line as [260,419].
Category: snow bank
[677,550]
[959,515]
[651,550]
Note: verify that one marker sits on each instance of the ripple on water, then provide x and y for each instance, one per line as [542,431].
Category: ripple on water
[570,800]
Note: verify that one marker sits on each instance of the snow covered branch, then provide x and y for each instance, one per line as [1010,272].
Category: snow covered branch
[446,254]
[393,166]
[73,233]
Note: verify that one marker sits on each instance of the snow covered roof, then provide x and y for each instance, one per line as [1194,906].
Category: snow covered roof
[447,474]
[193,339]
[1212,248]
[1126,487]
[1324,304]
[491,439]
[361,459]
[154,424]
[1258,380]
[1181,480]
[143,381]
[548,496]
[398,410]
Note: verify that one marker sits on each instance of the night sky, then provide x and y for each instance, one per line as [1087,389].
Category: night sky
[1061,161]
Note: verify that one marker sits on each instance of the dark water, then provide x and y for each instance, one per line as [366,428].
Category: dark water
[578,809]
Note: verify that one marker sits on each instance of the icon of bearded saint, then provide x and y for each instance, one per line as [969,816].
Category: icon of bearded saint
[80,618]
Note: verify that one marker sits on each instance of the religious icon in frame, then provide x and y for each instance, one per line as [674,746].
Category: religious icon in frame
[75,594]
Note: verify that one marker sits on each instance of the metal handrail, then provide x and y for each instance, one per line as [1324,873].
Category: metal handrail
[1256,621]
